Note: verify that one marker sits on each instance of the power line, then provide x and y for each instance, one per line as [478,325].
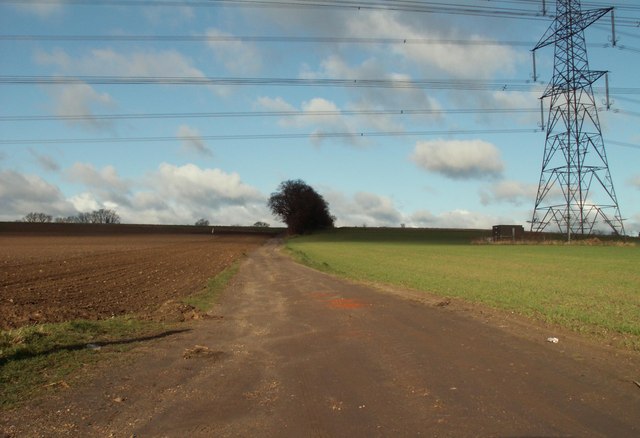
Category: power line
[288,136]
[507,85]
[233,114]
[394,5]
[270,39]
[390,5]
[258,38]
[267,136]
[624,144]
[628,48]
[461,84]
[626,113]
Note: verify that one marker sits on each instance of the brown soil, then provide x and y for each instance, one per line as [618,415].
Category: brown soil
[48,278]
[297,353]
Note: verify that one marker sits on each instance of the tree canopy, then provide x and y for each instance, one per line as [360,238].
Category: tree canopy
[37,217]
[102,216]
[300,207]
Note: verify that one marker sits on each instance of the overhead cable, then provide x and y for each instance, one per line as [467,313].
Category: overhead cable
[507,85]
[458,84]
[265,136]
[259,38]
[232,114]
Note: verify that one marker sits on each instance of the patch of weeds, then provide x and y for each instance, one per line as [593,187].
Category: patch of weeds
[302,258]
[35,359]
[204,300]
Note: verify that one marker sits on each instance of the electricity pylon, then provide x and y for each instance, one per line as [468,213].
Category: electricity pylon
[575,193]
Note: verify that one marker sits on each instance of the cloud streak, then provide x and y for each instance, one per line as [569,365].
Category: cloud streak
[459,159]
[512,192]
[192,141]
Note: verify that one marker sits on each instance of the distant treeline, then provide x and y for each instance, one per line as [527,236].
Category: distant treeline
[102,216]
[62,228]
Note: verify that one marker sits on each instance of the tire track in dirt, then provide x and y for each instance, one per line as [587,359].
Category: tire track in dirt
[299,353]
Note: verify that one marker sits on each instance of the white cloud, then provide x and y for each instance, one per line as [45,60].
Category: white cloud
[237,56]
[632,226]
[635,181]
[46,162]
[183,194]
[197,186]
[481,61]
[81,100]
[85,202]
[274,104]
[372,210]
[324,118]
[104,185]
[21,194]
[101,62]
[320,115]
[42,10]
[171,16]
[192,141]
[372,98]
[170,195]
[456,219]
[512,192]
[459,159]
[363,208]
[106,179]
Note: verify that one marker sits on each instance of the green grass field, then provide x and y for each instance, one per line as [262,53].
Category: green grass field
[592,289]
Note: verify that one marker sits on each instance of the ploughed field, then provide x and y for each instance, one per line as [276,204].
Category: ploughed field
[53,278]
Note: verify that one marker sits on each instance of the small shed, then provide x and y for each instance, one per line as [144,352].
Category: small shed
[508,232]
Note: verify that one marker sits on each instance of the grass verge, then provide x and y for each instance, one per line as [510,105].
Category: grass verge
[204,300]
[591,289]
[40,358]
[35,359]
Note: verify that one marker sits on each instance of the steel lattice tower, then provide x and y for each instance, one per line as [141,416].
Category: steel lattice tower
[576,191]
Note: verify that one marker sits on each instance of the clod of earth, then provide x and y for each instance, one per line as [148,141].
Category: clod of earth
[200,351]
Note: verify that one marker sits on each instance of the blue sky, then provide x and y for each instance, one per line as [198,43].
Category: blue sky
[194,163]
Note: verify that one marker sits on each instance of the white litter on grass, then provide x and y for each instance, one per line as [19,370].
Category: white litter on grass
[554,340]
[93,347]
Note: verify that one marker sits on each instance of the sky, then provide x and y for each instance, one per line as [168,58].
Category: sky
[279,93]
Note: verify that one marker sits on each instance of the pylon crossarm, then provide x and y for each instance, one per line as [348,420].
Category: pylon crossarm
[566,86]
[556,33]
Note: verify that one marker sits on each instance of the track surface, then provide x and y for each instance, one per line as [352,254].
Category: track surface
[293,352]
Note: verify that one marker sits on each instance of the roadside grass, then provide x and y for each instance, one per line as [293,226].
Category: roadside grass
[39,358]
[35,359]
[592,289]
[204,300]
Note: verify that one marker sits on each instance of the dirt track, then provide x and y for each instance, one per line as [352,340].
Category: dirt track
[296,353]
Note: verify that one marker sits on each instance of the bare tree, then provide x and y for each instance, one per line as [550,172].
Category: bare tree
[202,223]
[104,216]
[37,217]
[83,218]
